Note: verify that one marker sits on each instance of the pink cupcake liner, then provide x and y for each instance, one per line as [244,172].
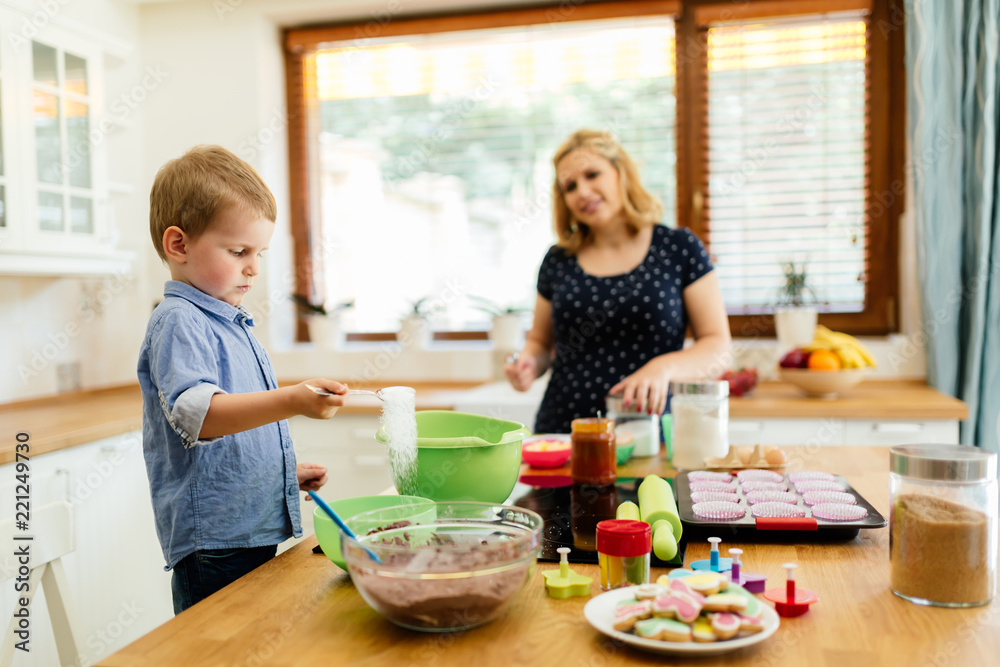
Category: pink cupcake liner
[807,486]
[714,486]
[810,475]
[718,510]
[836,497]
[714,496]
[763,486]
[767,496]
[835,512]
[760,476]
[778,510]
[709,476]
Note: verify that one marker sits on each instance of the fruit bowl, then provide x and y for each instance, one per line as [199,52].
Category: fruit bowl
[823,384]
[443,566]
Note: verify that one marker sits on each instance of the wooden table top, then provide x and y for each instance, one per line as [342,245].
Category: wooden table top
[300,609]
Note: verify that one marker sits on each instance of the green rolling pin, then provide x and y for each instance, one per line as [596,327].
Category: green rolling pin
[628,510]
[656,503]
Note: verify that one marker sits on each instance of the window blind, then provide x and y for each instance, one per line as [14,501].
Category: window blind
[434,152]
[786,141]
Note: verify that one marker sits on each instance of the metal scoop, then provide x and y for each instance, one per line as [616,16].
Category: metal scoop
[364,392]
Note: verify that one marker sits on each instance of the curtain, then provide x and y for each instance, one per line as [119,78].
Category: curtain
[954,102]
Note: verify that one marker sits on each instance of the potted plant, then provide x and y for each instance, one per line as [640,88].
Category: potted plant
[794,319]
[325,328]
[415,330]
[507,332]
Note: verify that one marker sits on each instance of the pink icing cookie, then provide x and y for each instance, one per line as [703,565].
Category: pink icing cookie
[628,615]
[680,586]
[677,605]
[751,624]
[726,625]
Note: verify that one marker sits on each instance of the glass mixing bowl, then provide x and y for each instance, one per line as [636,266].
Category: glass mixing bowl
[443,566]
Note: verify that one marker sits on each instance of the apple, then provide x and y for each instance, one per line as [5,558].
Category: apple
[797,358]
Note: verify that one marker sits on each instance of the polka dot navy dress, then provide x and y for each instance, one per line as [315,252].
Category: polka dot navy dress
[606,328]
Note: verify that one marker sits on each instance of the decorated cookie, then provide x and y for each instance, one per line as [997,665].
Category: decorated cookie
[751,623]
[680,586]
[702,631]
[726,625]
[706,583]
[663,629]
[648,591]
[626,617]
[725,602]
[677,605]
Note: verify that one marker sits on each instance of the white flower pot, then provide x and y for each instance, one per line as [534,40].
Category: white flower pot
[326,332]
[507,335]
[415,333]
[795,326]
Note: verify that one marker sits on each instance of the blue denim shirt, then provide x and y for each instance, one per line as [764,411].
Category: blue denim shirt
[239,490]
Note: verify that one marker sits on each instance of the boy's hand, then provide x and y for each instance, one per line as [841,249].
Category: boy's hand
[319,406]
[311,477]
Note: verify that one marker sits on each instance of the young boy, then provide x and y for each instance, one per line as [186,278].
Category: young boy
[222,471]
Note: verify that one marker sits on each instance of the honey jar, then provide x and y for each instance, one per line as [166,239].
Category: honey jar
[593,458]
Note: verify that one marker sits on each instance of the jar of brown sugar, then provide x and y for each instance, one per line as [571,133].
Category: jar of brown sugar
[943,524]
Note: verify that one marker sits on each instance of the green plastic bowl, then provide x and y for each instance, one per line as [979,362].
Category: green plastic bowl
[624,453]
[463,456]
[329,535]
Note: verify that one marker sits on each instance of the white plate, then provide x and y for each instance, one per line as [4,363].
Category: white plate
[600,612]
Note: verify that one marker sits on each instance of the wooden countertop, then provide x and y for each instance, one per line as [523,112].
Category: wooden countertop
[301,609]
[68,420]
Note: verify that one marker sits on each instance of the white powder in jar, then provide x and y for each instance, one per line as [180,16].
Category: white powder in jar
[699,431]
[399,422]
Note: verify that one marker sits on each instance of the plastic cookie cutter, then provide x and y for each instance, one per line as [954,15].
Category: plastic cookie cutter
[751,581]
[791,602]
[564,582]
[714,563]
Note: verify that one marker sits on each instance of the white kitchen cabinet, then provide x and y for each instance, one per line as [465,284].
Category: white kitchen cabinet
[834,431]
[115,575]
[357,464]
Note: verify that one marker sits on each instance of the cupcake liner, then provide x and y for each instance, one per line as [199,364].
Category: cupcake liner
[836,497]
[767,496]
[810,475]
[709,476]
[718,510]
[778,510]
[763,486]
[714,486]
[759,476]
[807,486]
[835,512]
[714,496]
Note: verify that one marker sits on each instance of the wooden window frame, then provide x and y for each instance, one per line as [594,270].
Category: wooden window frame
[885,70]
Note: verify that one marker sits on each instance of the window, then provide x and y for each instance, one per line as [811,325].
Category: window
[427,144]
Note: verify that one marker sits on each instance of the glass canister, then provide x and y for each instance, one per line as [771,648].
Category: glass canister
[644,427]
[943,524]
[593,458]
[699,426]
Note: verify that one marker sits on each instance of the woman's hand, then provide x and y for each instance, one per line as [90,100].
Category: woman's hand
[521,371]
[311,477]
[646,388]
[310,403]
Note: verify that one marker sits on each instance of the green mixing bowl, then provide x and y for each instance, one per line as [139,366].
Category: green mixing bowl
[463,456]
[329,535]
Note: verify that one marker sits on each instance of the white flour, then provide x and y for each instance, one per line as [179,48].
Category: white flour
[399,421]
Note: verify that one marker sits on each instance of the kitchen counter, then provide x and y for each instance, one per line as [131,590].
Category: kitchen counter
[73,419]
[301,609]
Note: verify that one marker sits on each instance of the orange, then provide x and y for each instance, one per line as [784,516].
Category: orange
[824,360]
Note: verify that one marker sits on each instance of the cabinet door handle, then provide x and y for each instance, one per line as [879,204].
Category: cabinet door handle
[896,427]
[363,461]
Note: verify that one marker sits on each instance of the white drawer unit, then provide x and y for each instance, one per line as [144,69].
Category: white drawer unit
[822,432]
[891,432]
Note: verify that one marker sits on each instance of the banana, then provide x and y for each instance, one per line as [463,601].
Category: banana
[854,350]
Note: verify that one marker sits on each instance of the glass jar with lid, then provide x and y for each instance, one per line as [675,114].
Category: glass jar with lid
[699,422]
[642,426]
[594,457]
[943,524]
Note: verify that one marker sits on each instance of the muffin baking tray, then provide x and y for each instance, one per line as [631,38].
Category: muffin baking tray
[762,508]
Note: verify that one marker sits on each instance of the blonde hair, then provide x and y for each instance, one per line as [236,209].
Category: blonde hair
[642,209]
[191,190]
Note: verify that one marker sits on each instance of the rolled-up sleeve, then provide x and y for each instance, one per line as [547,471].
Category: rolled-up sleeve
[184,389]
